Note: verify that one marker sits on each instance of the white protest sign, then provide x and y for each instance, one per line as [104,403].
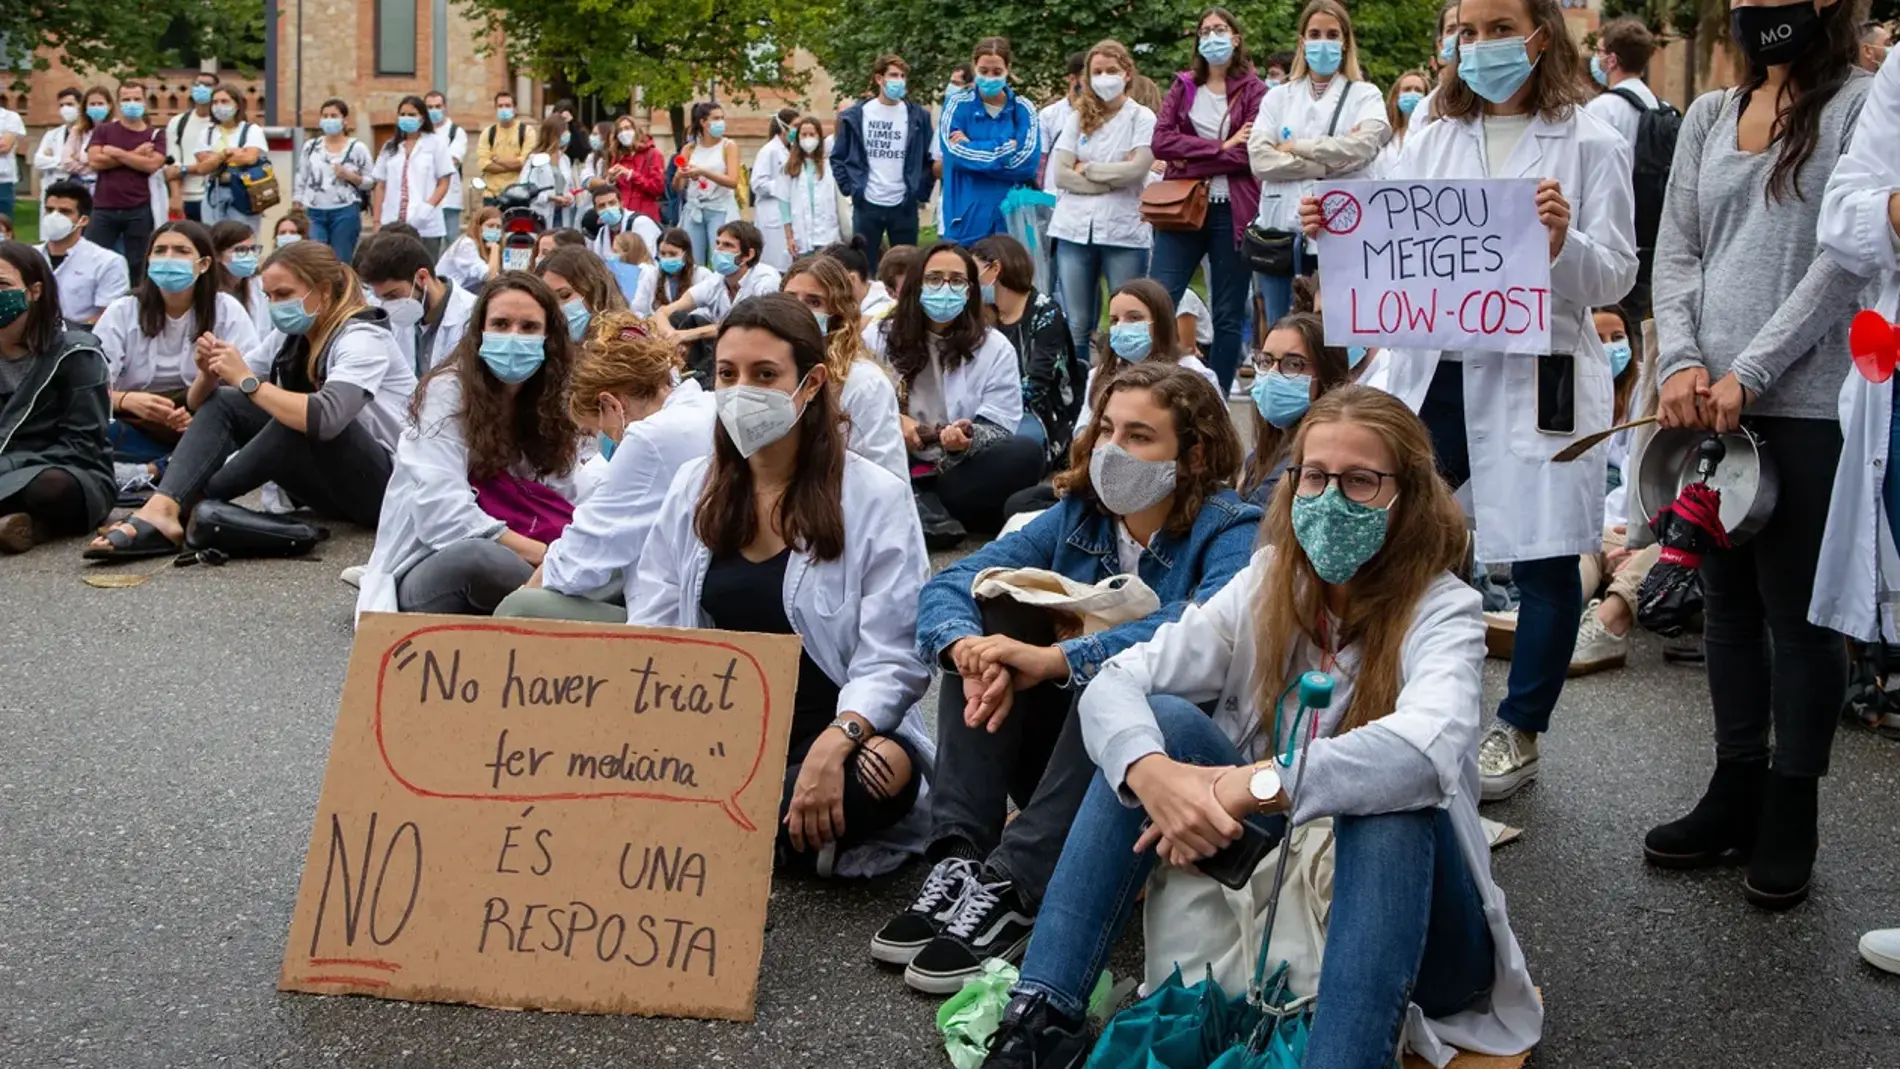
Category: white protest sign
[1443,264]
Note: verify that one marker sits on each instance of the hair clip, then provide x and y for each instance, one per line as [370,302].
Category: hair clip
[633,333]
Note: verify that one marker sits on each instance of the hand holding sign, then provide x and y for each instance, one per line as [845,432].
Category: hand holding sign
[1444,264]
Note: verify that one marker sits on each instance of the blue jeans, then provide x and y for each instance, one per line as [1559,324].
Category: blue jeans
[1178,252]
[704,233]
[1081,267]
[451,222]
[1095,883]
[338,228]
[1550,605]
[133,446]
[875,222]
[1407,925]
[1277,295]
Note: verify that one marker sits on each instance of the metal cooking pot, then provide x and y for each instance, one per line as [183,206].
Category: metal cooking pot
[1743,475]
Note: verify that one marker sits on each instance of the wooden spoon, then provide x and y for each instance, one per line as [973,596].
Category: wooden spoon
[1584,445]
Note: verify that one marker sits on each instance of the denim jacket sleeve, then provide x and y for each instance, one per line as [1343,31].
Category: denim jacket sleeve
[946,612]
[1222,557]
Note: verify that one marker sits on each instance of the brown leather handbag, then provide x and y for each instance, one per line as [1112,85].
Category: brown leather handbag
[1175,204]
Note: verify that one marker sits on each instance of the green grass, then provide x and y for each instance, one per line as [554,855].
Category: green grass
[26,221]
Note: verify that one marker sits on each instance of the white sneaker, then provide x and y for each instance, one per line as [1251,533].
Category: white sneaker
[1596,648]
[274,500]
[353,576]
[1507,760]
[1881,948]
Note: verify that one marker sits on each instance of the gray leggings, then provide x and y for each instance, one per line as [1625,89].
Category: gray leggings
[466,578]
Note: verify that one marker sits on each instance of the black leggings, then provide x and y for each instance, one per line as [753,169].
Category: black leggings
[871,802]
[344,477]
[974,489]
[56,502]
[1768,666]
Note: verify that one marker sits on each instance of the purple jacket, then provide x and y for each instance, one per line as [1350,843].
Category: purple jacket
[1189,155]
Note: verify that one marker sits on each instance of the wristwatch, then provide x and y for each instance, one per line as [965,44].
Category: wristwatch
[248,385]
[853,729]
[1264,786]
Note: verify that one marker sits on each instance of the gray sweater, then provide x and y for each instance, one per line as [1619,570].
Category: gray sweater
[1739,281]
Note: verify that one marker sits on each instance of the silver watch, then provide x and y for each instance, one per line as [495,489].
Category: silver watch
[853,729]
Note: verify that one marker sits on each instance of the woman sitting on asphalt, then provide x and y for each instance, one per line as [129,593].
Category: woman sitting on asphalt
[1141,329]
[1146,495]
[785,531]
[484,471]
[1294,369]
[582,285]
[865,390]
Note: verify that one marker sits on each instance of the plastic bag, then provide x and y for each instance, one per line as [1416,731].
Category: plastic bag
[1026,213]
[971,1016]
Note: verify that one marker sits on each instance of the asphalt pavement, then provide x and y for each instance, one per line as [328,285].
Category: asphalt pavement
[162,746]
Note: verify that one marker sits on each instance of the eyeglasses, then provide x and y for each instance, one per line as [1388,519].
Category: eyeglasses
[1360,485]
[938,278]
[1288,363]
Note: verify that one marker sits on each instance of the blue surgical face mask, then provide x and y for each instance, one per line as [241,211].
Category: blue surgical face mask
[989,293]
[1596,71]
[577,318]
[491,236]
[1131,341]
[595,143]
[330,125]
[1408,101]
[607,446]
[610,216]
[1355,356]
[1282,399]
[132,109]
[1217,48]
[894,88]
[513,358]
[824,320]
[1619,353]
[97,112]
[290,316]
[408,124]
[726,263]
[672,265]
[437,116]
[1274,83]
[504,115]
[201,94]
[989,87]
[1448,47]
[170,274]
[944,302]
[1496,70]
[1323,57]
[716,128]
[243,265]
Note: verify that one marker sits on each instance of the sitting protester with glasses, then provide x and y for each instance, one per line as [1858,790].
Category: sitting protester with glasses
[1292,370]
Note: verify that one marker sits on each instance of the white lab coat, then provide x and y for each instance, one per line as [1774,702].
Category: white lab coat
[651,296]
[91,277]
[463,264]
[813,200]
[869,397]
[136,361]
[1208,655]
[430,504]
[1191,362]
[550,174]
[1859,570]
[857,616]
[420,167]
[611,529]
[987,386]
[1290,114]
[771,207]
[447,336]
[1526,507]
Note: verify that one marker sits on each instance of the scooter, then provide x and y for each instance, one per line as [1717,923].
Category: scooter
[521,225]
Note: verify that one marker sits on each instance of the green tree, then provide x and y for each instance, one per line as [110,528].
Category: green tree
[127,37]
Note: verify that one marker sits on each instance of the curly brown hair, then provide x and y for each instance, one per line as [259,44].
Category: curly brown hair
[535,424]
[1210,450]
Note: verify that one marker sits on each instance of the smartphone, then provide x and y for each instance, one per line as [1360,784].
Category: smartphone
[1235,863]
[1556,393]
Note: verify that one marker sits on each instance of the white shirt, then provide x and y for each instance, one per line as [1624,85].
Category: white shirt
[876,301]
[90,278]
[711,296]
[987,386]
[886,139]
[241,134]
[183,133]
[462,262]
[1191,362]
[10,123]
[651,295]
[1112,218]
[455,139]
[164,363]
[1052,118]
[1501,136]
[421,166]
[1292,113]
[1616,111]
[1192,305]
[1208,113]
[705,196]
[1127,550]
[611,527]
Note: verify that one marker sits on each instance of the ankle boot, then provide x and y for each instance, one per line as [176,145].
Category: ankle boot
[1783,861]
[1720,830]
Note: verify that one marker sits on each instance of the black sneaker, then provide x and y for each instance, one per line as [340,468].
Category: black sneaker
[908,932]
[989,922]
[1683,649]
[1033,1036]
[941,530]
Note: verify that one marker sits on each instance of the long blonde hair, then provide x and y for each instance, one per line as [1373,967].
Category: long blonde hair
[1425,538]
[316,266]
[843,341]
[1089,108]
[1349,50]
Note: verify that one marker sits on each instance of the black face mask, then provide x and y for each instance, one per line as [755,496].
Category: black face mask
[1772,36]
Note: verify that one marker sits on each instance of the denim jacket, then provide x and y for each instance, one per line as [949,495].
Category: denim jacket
[1076,539]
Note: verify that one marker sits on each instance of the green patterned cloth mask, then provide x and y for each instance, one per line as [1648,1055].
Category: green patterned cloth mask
[1339,536]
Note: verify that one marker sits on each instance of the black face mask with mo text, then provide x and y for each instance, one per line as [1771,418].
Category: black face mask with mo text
[1774,35]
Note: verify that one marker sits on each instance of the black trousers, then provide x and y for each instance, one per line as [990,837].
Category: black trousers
[344,477]
[874,223]
[56,502]
[975,489]
[869,807]
[127,229]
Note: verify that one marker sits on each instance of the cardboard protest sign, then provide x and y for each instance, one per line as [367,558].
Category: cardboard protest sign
[1451,264]
[546,815]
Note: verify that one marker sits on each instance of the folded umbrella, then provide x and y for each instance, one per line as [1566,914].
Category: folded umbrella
[1686,529]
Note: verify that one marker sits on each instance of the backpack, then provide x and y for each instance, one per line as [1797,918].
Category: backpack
[253,189]
[1655,153]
